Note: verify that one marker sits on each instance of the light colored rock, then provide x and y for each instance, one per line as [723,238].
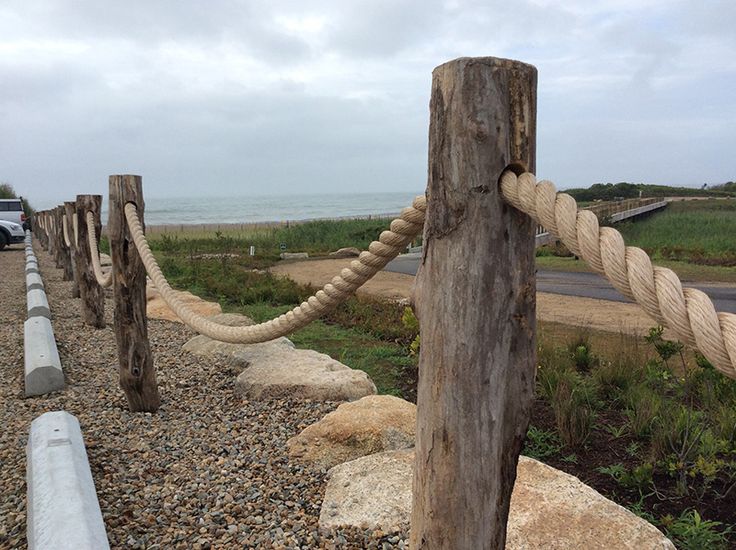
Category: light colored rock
[276,369]
[553,510]
[371,492]
[105,259]
[550,510]
[350,252]
[294,255]
[369,425]
[156,308]
[301,374]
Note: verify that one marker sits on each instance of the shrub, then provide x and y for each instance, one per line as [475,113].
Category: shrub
[642,407]
[541,444]
[691,532]
[614,378]
[573,403]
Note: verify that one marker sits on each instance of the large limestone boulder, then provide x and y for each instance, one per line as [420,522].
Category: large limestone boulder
[156,308]
[550,510]
[373,491]
[369,425]
[276,369]
[301,374]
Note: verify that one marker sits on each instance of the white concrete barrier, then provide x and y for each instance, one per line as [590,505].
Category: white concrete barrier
[33,280]
[43,372]
[37,303]
[63,510]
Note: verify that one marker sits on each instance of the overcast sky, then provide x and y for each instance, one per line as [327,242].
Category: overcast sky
[240,97]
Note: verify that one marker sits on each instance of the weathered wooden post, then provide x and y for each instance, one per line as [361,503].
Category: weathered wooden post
[51,230]
[65,250]
[70,212]
[476,303]
[91,293]
[58,239]
[137,377]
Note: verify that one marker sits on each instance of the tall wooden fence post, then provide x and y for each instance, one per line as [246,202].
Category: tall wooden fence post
[70,208]
[65,253]
[55,253]
[137,376]
[476,304]
[91,293]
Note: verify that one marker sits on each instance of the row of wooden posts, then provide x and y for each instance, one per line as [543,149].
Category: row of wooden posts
[135,362]
[475,300]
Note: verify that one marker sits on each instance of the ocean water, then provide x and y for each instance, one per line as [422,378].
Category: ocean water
[181,210]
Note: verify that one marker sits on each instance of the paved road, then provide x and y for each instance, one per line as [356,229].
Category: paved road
[588,285]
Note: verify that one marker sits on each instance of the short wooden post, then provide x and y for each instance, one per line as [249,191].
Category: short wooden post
[91,293]
[70,211]
[137,375]
[476,303]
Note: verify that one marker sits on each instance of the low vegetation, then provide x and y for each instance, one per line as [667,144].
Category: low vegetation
[647,423]
[315,237]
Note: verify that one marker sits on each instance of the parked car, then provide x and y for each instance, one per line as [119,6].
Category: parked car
[11,233]
[12,210]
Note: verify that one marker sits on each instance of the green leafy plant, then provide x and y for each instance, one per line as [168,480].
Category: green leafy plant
[639,478]
[541,444]
[664,348]
[692,532]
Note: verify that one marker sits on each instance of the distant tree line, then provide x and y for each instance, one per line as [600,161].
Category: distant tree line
[7,192]
[624,190]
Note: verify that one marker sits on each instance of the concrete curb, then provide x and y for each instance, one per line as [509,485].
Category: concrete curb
[33,280]
[43,372]
[38,304]
[63,510]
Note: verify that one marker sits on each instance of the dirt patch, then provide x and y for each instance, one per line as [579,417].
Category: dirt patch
[569,310]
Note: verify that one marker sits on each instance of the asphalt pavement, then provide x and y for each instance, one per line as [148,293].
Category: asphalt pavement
[587,285]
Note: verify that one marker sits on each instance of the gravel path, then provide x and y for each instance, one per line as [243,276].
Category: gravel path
[209,470]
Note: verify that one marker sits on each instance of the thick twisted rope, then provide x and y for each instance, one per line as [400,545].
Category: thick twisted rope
[402,231]
[104,280]
[687,311]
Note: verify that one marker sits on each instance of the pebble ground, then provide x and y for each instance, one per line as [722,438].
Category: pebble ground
[208,470]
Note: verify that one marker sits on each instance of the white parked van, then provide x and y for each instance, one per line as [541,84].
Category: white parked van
[12,210]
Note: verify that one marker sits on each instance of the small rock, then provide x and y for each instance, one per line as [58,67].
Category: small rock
[350,252]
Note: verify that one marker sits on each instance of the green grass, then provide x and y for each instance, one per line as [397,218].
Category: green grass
[315,237]
[693,238]
[698,232]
